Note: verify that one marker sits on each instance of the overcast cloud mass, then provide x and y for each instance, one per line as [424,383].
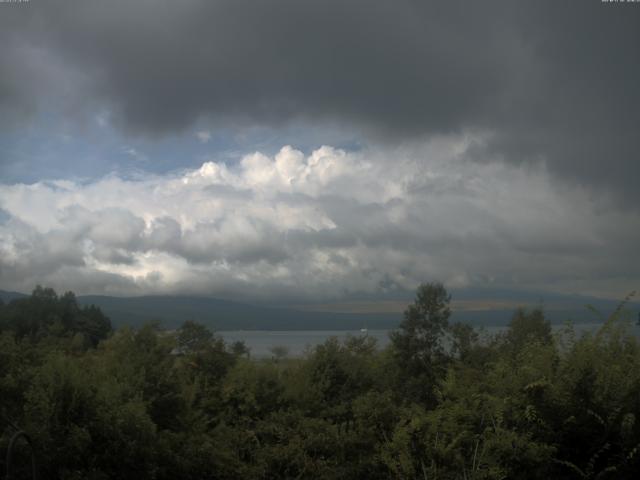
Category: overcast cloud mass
[144,146]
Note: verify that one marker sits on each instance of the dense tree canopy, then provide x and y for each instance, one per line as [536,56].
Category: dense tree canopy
[442,401]
[45,314]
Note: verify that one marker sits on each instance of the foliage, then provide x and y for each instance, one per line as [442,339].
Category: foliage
[418,344]
[440,402]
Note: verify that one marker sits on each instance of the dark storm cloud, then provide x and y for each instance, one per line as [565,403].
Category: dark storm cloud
[558,81]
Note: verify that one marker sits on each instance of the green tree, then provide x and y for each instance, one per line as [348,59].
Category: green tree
[45,315]
[279,352]
[418,343]
[194,337]
[527,327]
[464,340]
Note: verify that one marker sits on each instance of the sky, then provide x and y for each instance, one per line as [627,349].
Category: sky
[317,151]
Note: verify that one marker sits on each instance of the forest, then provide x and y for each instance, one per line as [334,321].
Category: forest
[442,401]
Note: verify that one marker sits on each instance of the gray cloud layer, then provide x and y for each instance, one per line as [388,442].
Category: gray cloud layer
[545,80]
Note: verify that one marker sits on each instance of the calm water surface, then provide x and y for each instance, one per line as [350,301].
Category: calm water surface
[298,341]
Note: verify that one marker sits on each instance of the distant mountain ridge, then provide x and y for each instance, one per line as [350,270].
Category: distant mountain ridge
[218,314]
[172,310]
[6,297]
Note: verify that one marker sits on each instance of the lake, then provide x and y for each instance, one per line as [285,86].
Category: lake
[297,341]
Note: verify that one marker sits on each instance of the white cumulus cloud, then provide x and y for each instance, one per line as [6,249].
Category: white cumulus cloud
[322,225]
